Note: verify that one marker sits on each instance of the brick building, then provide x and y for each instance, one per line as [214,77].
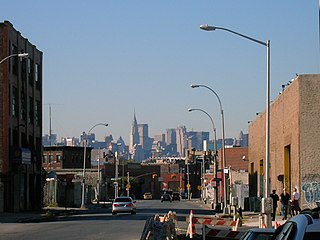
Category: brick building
[20,122]
[64,167]
[237,177]
[294,142]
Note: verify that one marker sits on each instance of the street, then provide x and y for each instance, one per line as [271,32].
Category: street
[101,224]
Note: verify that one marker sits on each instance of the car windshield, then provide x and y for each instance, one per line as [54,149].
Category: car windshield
[123,199]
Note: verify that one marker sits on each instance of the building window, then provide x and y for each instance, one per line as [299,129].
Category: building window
[44,159]
[38,76]
[23,106]
[37,113]
[30,71]
[51,159]
[59,157]
[14,103]
[15,60]
[23,68]
[31,110]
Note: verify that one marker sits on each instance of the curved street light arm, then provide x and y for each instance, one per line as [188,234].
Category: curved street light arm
[84,162]
[212,28]
[98,124]
[206,27]
[205,86]
[15,55]
[223,144]
[201,110]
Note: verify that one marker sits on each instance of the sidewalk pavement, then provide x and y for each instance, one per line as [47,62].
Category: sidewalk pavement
[250,219]
[49,213]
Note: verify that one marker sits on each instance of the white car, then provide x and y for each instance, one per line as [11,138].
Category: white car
[306,225]
[123,205]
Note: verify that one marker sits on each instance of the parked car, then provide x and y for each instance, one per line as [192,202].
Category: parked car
[175,196]
[306,226]
[147,195]
[258,233]
[166,197]
[123,204]
[184,195]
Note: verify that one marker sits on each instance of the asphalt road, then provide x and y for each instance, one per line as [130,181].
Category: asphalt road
[101,224]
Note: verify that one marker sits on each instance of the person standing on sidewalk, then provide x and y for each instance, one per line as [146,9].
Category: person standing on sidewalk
[285,198]
[295,198]
[275,199]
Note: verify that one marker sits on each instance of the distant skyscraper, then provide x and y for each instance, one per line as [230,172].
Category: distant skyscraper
[181,138]
[171,136]
[134,134]
[198,138]
[143,135]
[171,141]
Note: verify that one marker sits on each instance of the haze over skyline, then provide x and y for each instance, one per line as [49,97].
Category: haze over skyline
[103,60]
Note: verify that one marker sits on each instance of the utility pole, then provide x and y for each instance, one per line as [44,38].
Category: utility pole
[116,176]
[128,184]
[98,181]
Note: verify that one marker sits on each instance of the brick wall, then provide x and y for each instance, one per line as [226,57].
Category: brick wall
[294,135]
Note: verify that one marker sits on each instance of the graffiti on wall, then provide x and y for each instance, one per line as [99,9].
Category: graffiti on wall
[311,192]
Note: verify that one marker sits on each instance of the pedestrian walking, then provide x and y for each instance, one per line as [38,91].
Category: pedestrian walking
[295,199]
[275,199]
[284,199]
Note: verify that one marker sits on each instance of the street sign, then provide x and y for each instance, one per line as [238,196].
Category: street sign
[128,186]
[188,185]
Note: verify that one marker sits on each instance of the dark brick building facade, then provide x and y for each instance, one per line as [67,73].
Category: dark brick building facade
[20,122]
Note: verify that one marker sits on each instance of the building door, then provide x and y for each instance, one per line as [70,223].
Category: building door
[261,179]
[287,167]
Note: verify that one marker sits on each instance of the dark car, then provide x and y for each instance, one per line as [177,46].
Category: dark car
[175,196]
[166,197]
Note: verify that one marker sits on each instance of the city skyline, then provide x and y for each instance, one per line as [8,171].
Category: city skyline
[142,56]
[154,137]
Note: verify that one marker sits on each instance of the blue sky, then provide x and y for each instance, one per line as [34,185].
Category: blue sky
[103,60]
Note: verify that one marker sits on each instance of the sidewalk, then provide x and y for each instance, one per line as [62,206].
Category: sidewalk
[49,213]
[250,219]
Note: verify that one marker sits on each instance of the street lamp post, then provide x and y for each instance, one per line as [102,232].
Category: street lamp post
[215,147]
[267,160]
[128,184]
[98,181]
[116,186]
[23,55]
[188,180]
[84,162]
[225,208]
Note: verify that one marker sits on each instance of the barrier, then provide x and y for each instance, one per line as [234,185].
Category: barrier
[221,233]
[205,220]
[213,221]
